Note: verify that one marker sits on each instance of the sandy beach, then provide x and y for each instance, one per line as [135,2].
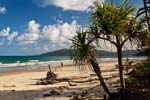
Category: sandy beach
[20,85]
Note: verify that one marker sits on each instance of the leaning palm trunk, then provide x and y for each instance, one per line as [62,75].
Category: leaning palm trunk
[97,70]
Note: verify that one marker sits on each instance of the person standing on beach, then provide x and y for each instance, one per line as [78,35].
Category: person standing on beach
[62,64]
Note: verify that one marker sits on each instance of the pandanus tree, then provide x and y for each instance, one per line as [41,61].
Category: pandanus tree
[114,23]
[143,28]
[145,10]
[83,49]
[143,37]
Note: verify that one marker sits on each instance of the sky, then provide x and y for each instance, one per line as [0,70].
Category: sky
[32,27]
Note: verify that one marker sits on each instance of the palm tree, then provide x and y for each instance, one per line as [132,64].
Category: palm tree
[114,24]
[143,38]
[145,10]
[144,35]
[82,49]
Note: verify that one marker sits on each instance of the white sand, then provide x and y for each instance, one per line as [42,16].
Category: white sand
[20,85]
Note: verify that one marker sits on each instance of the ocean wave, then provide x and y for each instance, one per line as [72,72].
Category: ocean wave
[37,63]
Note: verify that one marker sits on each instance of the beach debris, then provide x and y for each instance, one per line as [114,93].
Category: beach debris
[84,93]
[78,95]
[63,79]
[92,75]
[44,82]
[70,84]
[50,74]
[9,86]
[84,81]
[47,81]
[63,87]
[13,90]
[55,92]
[95,99]
[51,78]
[52,93]
[46,95]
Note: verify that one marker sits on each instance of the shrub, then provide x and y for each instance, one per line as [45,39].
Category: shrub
[132,80]
[143,68]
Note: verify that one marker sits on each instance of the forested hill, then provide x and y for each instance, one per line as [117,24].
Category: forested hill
[100,53]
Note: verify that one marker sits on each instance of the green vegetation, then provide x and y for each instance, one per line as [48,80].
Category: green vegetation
[83,50]
[116,25]
[137,85]
[143,36]
[145,10]
[132,80]
[141,76]
[143,29]
[112,23]
[143,69]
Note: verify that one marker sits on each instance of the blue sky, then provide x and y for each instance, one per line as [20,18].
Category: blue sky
[29,27]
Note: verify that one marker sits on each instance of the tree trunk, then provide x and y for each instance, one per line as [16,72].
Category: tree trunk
[147,14]
[119,52]
[97,70]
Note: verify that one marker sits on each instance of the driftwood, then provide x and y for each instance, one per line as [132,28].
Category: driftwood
[50,78]
[52,93]
[83,81]
[50,74]
[70,84]
[9,86]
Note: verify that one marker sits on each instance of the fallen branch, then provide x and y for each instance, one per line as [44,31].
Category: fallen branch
[89,80]
[9,86]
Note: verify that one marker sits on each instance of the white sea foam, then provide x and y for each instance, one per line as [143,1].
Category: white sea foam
[36,63]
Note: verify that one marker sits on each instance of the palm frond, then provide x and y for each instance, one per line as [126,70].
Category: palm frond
[82,48]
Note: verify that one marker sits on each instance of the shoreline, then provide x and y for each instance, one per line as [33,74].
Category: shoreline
[23,82]
[41,68]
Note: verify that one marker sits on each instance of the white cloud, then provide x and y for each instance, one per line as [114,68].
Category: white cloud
[32,34]
[2,10]
[11,37]
[78,5]
[60,33]
[56,34]
[50,32]
[28,38]
[33,27]
[5,32]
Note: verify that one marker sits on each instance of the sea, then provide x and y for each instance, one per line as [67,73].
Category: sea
[12,63]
